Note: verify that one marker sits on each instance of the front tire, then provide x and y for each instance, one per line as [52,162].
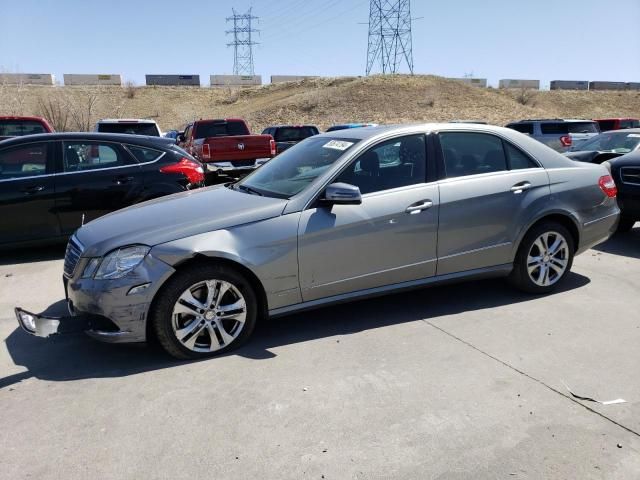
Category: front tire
[203,311]
[544,258]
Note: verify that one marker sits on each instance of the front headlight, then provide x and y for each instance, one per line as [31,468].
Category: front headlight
[118,263]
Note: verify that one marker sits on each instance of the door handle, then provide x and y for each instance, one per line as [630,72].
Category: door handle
[122,180]
[419,206]
[521,187]
[33,189]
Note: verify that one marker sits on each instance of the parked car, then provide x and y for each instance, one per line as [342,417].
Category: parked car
[226,146]
[339,216]
[173,135]
[11,126]
[606,124]
[559,134]
[346,126]
[130,126]
[477,122]
[288,135]
[606,145]
[51,184]
[625,171]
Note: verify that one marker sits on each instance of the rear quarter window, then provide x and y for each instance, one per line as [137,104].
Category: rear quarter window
[144,154]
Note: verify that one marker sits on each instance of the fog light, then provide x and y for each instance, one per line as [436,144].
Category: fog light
[138,289]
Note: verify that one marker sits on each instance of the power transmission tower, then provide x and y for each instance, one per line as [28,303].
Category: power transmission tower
[242,42]
[389,35]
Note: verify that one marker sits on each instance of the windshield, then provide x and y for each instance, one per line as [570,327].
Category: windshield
[618,142]
[290,172]
[149,129]
[18,128]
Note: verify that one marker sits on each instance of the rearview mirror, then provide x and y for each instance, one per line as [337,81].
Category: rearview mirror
[342,194]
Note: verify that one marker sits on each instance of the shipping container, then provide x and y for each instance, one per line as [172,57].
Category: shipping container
[517,83]
[569,85]
[27,79]
[235,80]
[91,79]
[173,80]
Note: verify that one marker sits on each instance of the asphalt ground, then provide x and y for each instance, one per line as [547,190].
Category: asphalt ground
[452,382]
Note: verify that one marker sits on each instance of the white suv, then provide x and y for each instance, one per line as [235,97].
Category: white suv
[558,133]
[133,126]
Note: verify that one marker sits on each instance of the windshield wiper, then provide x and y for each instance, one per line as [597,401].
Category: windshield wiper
[249,189]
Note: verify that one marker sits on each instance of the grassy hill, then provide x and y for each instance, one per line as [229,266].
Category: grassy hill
[380,99]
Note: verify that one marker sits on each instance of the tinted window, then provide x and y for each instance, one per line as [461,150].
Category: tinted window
[620,142]
[220,129]
[607,124]
[81,156]
[23,161]
[294,134]
[629,124]
[471,153]
[563,128]
[130,128]
[395,163]
[295,168]
[18,128]
[518,159]
[144,154]
[522,127]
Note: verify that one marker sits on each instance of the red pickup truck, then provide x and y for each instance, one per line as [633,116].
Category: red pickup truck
[226,147]
[19,126]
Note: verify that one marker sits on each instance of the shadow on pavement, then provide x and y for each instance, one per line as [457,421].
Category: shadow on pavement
[32,254]
[73,357]
[625,244]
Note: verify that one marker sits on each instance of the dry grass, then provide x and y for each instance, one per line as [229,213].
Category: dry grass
[389,99]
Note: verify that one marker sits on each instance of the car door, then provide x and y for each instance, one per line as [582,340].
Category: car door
[390,238]
[27,193]
[95,178]
[490,189]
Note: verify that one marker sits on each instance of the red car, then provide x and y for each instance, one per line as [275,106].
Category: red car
[226,146]
[607,124]
[20,126]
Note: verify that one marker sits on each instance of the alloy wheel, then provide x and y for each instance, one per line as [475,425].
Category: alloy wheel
[209,315]
[548,259]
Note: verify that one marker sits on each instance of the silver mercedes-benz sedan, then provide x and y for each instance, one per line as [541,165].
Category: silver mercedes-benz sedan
[342,215]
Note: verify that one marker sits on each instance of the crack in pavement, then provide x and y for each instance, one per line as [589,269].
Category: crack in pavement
[549,387]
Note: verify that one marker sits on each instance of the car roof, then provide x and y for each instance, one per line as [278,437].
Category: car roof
[95,136]
[291,126]
[543,120]
[613,118]
[126,120]
[381,130]
[20,117]
[623,130]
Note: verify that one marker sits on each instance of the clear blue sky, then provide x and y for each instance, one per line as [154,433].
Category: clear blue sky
[542,39]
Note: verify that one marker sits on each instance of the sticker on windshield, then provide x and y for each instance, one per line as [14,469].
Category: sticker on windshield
[633,135]
[337,145]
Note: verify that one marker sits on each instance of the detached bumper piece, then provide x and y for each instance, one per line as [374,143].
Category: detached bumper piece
[45,326]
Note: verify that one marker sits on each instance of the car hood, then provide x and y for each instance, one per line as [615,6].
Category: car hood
[176,216]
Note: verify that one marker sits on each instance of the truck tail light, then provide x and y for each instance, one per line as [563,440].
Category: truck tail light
[206,152]
[272,146]
[566,141]
[190,169]
[608,186]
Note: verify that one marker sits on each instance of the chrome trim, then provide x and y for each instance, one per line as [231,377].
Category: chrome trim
[600,219]
[475,250]
[487,272]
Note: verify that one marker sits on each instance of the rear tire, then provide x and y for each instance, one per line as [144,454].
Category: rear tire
[203,311]
[625,224]
[544,258]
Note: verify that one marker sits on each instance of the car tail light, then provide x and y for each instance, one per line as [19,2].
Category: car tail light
[272,146]
[206,152]
[608,186]
[190,169]
[566,141]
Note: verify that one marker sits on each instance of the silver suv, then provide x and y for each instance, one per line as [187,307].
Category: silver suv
[559,134]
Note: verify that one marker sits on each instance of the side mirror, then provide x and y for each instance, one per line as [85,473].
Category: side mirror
[342,194]
[180,138]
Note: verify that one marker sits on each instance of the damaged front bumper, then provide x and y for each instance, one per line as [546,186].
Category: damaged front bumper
[45,326]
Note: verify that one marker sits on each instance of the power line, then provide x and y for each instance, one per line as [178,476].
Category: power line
[389,39]
[242,42]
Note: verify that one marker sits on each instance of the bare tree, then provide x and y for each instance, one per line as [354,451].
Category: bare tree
[54,108]
[81,111]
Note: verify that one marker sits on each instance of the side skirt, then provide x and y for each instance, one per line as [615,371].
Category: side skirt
[476,274]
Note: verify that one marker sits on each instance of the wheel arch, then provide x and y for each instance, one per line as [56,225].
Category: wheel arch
[564,218]
[199,259]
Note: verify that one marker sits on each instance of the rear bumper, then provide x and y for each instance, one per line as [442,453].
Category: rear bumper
[598,231]
[629,203]
[229,167]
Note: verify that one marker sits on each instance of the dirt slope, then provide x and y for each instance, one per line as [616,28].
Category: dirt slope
[390,99]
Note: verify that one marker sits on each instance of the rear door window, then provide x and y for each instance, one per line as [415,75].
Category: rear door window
[467,153]
[24,161]
[83,156]
[518,159]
